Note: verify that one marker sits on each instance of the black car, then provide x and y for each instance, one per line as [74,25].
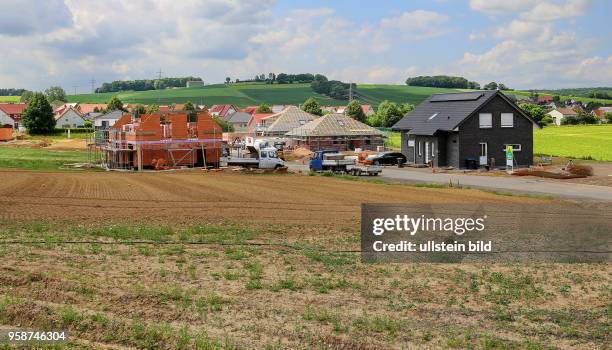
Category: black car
[386,158]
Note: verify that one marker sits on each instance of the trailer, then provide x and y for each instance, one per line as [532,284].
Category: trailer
[339,163]
[265,158]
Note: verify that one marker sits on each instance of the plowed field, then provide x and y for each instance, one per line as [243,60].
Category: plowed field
[233,261]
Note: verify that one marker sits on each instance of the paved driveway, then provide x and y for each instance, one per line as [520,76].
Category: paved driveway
[529,185]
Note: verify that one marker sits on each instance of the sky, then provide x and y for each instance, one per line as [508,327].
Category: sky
[522,43]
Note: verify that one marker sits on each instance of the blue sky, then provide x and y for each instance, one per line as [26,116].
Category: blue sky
[522,43]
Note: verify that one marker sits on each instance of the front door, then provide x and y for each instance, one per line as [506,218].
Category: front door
[426,152]
[483,153]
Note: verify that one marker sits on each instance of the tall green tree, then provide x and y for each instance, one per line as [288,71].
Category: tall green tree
[55,93]
[115,104]
[388,114]
[264,108]
[38,115]
[608,117]
[26,96]
[355,111]
[534,111]
[312,106]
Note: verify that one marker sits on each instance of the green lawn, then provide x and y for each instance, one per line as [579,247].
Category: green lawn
[575,141]
[244,95]
[38,159]
[9,98]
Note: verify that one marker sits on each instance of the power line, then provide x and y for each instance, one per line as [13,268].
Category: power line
[159,74]
[93,83]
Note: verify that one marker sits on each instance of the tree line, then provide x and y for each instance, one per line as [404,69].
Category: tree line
[145,84]
[332,88]
[442,81]
[11,92]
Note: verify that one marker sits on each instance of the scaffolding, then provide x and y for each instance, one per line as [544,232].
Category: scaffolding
[149,142]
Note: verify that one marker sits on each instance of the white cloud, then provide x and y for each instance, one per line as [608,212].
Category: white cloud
[496,7]
[417,24]
[531,51]
[546,11]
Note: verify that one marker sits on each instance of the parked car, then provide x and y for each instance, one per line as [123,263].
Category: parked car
[386,158]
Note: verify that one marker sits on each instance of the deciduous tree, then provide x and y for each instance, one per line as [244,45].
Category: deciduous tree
[38,115]
[312,106]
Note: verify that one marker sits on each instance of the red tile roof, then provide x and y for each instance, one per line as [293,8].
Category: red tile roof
[89,107]
[545,98]
[221,110]
[13,108]
[567,111]
[250,110]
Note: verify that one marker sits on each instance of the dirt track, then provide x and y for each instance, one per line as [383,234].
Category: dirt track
[178,196]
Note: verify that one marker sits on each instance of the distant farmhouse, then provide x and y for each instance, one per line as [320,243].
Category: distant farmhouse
[468,129]
[562,113]
[195,83]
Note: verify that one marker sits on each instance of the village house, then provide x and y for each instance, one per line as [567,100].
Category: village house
[336,131]
[13,111]
[69,118]
[561,113]
[467,129]
[601,111]
[222,111]
[256,123]
[239,121]
[107,120]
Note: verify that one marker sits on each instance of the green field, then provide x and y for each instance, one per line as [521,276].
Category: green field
[244,95]
[9,98]
[38,159]
[572,141]
[575,141]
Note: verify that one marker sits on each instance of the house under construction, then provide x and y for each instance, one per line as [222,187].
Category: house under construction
[159,141]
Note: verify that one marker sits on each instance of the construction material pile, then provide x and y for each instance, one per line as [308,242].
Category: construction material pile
[570,171]
[297,154]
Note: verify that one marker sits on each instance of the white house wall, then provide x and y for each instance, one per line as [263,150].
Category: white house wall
[5,119]
[70,119]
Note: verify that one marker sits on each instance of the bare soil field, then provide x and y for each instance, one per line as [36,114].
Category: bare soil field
[199,260]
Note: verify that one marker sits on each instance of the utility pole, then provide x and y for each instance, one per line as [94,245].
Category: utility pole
[93,85]
[75,87]
[159,74]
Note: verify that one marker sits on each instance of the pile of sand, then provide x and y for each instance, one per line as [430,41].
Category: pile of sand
[297,154]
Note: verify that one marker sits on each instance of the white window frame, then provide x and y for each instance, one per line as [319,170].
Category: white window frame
[485,126]
[516,147]
[420,147]
[432,149]
[511,125]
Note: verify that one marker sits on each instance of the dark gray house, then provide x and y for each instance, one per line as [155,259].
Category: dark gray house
[457,129]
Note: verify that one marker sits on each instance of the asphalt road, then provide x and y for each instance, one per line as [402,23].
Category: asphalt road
[527,185]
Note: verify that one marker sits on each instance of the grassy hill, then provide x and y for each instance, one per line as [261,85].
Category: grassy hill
[13,99]
[254,94]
